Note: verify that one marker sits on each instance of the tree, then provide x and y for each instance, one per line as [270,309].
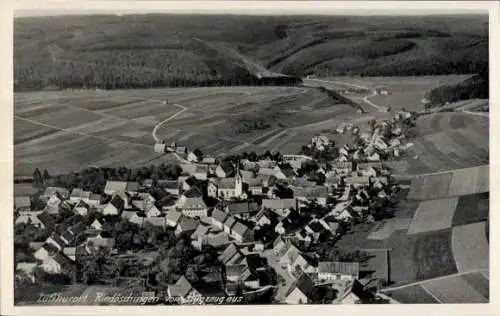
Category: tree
[38,178]
[46,177]
[191,275]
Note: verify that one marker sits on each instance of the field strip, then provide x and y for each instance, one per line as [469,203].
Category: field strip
[269,140]
[442,172]
[433,215]
[430,293]
[341,83]
[388,289]
[477,113]
[470,247]
[286,139]
[78,133]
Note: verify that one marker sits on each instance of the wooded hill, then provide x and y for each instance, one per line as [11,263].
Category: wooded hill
[105,51]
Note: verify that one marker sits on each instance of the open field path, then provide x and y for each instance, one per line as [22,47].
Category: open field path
[412,176]
[482,114]
[434,279]
[365,99]
[155,129]
[79,133]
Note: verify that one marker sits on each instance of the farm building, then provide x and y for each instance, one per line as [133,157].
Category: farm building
[296,161]
[192,206]
[383,91]
[329,270]
[22,203]
[160,148]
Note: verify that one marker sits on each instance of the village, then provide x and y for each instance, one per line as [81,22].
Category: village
[261,226]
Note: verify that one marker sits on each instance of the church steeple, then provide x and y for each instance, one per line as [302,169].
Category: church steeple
[238,181]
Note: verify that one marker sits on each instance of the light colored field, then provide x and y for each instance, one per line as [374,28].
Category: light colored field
[453,183]
[69,130]
[447,141]
[454,290]
[430,187]
[470,247]
[406,92]
[390,226]
[470,181]
[433,215]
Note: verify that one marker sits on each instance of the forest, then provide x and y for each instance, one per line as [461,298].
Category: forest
[476,87]
[143,51]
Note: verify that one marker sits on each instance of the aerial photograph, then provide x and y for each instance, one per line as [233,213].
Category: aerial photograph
[214,159]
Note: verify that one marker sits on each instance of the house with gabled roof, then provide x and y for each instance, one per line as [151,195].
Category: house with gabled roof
[94,200]
[282,207]
[170,186]
[137,218]
[225,170]
[187,225]
[243,209]
[57,263]
[342,167]
[280,245]
[173,217]
[218,218]
[70,253]
[62,193]
[147,205]
[197,171]
[115,206]
[44,252]
[38,219]
[114,187]
[301,291]
[318,194]
[159,221]
[192,206]
[81,208]
[96,225]
[305,263]
[266,217]
[241,232]
[78,195]
[56,241]
[127,214]
[287,252]
[195,156]
[183,291]
[357,181]
[54,202]
[22,204]
[229,223]
[275,171]
[230,255]
[101,243]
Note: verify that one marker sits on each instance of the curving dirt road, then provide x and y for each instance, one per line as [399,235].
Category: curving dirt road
[155,129]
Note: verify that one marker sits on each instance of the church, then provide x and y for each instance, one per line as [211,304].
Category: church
[226,188]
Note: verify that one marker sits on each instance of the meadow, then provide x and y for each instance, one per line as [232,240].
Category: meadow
[452,183]
[467,288]
[446,141]
[64,131]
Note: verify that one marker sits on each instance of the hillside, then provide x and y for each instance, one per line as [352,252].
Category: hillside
[191,50]
[476,87]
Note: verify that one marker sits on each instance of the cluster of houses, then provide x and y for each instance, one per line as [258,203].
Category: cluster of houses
[248,221]
[386,139]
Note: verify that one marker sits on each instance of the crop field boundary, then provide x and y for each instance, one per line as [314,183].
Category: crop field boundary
[388,289]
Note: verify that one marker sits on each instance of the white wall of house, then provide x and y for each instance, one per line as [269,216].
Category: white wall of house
[296,297]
